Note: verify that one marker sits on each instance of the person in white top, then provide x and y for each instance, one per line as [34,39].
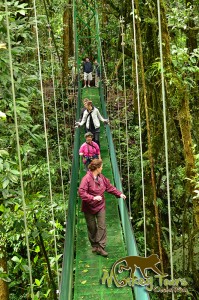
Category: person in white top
[92,118]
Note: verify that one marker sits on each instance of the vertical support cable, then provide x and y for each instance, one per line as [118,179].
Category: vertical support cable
[126,121]
[66,135]
[56,117]
[119,135]
[140,125]
[18,150]
[165,141]
[46,137]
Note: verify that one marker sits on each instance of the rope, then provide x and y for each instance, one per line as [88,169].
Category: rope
[46,137]
[56,116]
[107,84]
[118,115]
[140,126]
[66,138]
[165,141]
[52,33]
[126,121]
[103,64]
[18,150]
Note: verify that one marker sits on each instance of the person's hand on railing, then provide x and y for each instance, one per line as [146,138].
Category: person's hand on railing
[77,124]
[106,122]
[123,196]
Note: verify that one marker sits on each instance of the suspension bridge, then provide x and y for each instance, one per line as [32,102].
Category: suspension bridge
[82,270]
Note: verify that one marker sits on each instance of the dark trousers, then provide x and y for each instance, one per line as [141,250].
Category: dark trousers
[96,226]
[96,138]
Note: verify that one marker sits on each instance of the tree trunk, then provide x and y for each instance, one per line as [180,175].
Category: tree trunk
[184,110]
[191,34]
[183,113]
[71,40]
[4,295]
[152,201]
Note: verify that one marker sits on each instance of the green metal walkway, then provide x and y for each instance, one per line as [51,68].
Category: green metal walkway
[82,270]
[90,266]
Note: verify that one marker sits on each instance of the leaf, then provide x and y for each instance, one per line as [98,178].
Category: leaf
[23,5]
[15,172]
[58,257]
[16,207]
[36,259]
[35,233]
[37,281]
[3,46]
[2,208]
[85,271]
[13,178]
[5,183]
[83,282]
[26,268]
[22,12]
[35,127]
[46,295]
[3,152]
[16,259]
[37,249]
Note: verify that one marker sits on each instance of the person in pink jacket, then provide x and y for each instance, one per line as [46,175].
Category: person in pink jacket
[89,150]
[91,191]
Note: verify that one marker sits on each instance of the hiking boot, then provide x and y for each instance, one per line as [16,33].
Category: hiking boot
[89,85]
[94,249]
[102,252]
[84,86]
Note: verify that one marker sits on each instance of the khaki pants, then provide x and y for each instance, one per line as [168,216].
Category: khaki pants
[96,228]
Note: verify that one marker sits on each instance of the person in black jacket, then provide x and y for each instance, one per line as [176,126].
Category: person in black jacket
[87,68]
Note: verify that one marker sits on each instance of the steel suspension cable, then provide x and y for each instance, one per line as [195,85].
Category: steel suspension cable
[165,139]
[18,150]
[118,115]
[118,104]
[125,107]
[66,135]
[140,125]
[103,64]
[46,136]
[62,96]
[56,117]
[52,33]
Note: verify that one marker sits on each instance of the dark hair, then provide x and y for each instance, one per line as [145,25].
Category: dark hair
[95,164]
[89,102]
[88,134]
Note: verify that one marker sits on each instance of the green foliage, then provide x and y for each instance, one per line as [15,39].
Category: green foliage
[35,175]
[41,229]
